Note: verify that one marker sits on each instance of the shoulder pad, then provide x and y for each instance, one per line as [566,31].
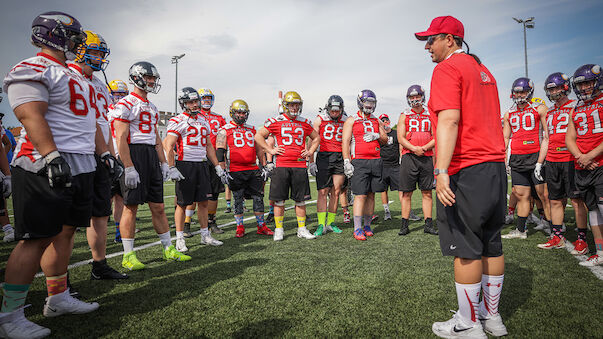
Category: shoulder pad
[302,119]
[324,116]
[228,126]
[249,126]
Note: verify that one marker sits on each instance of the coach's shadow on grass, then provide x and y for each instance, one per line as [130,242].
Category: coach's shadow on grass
[518,283]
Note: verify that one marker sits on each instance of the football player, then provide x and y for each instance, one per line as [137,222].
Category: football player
[237,139]
[416,137]
[559,174]
[328,168]
[141,152]
[390,153]
[290,177]
[215,122]
[53,171]
[189,132]
[93,58]
[584,139]
[363,135]
[526,122]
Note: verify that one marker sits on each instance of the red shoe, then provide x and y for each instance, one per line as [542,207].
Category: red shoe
[375,217]
[367,231]
[240,231]
[580,247]
[359,235]
[554,242]
[265,230]
[346,217]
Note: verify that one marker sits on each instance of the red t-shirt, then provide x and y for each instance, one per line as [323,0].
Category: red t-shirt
[241,147]
[587,119]
[525,126]
[459,82]
[362,125]
[331,132]
[557,119]
[418,130]
[290,134]
[215,122]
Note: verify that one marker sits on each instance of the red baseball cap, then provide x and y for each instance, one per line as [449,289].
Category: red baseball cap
[384,116]
[443,24]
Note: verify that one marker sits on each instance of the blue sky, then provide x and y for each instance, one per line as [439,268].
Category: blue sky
[250,50]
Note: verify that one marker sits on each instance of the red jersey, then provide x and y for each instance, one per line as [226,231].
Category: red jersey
[331,132]
[557,119]
[215,122]
[459,82]
[418,130]
[360,148]
[525,125]
[241,147]
[290,134]
[587,119]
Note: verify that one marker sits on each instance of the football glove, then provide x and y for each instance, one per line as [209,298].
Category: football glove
[165,171]
[313,169]
[538,171]
[348,169]
[116,169]
[57,170]
[224,176]
[370,136]
[132,178]
[175,174]
[7,187]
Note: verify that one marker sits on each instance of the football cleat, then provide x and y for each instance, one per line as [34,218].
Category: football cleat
[320,230]
[493,325]
[333,228]
[367,231]
[15,325]
[594,260]
[209,240]
[429,229]
[375,217]
[181,245]
[542,226]
[554,242]
[102,271]
[404,230]
[346,217]
[387,216]
[187,230]
[303,232]
[580,247]
[515,234]
[214,227]
[240,231]
[279,232]
[457,328]
[532,219]
[228,210]
[264,230]
[64,303]
[413,217]
[359,235]
[171,253]
[509,219]
[117,235]
[9,235]
[130,262]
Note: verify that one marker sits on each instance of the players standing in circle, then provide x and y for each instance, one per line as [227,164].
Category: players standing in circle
[584,139]
[559,174]
[141,152]
[328,168]
[390,153]
[92,58]
[215,122]
[526,122]
[362,135]
[53,171]
[189,132]
[416,137]
[237,139]
[290,177]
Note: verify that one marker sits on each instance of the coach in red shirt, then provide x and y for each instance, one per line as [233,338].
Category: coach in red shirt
[471,181]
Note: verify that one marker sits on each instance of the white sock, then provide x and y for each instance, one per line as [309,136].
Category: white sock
[468,299]
[189,213]
[7,227]
[386,207]
[128,245]
[492,288]
[205,232]
[165,239]
[180,234]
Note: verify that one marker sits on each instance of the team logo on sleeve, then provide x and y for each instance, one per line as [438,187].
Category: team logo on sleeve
[485,77]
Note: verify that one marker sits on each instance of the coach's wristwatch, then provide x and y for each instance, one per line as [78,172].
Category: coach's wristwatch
[439,171]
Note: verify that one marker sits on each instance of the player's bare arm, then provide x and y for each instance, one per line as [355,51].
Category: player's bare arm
[584,160]
[402,137]
[159,147]
[7,145]
[260,139]
[544,143]
[99,140]
[382,134]
[122,131]
[211,153]
[313,147]
[446,134]
[346,139]
[168,144]
[506,130]
[31,116]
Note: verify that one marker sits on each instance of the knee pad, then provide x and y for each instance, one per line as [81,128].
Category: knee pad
[258,203]
[279,203]
[239,200]
[300,203]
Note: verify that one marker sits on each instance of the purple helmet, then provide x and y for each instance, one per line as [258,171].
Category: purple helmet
[59,31]
[585,73]
[522,85]
[554,80]
[366,96]
[415,90]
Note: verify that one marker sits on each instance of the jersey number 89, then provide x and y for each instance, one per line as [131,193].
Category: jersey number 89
[240,138]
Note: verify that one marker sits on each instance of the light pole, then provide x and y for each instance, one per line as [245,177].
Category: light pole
[175,59]
[527,23]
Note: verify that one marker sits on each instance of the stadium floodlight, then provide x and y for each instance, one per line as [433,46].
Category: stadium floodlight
[175,59]
[527,23]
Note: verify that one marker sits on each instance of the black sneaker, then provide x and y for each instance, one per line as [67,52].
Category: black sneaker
[214,227]
[101,270]
[404,228]
[72,291]
[187,230]
[428,227]
[270,218]
[228,210]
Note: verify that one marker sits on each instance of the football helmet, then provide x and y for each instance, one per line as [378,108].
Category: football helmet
[413,91]
[206,92]
[555,80]
[289,98]
[239,111]
[188,94]
[334,107]
[522,85]
[118,90]
[137,73]
[94,42]
[367,101]
[585,73]
[59,31]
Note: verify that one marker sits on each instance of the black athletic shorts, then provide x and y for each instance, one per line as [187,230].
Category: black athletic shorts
[101,203]
[415,170]
[367,176]
[391,177]
[328,163]
[290,179]
[194,187]
[250,181]
[523,162]
[216,185]
[470,229]
[525,178]
[590,185]
[150,189]
[561,180]
[41,211]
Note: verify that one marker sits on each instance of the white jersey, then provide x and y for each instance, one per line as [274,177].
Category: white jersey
[100,103]
[142,116]
[43,78]
[192,132]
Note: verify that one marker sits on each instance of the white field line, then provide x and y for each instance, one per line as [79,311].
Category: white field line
[597,270]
